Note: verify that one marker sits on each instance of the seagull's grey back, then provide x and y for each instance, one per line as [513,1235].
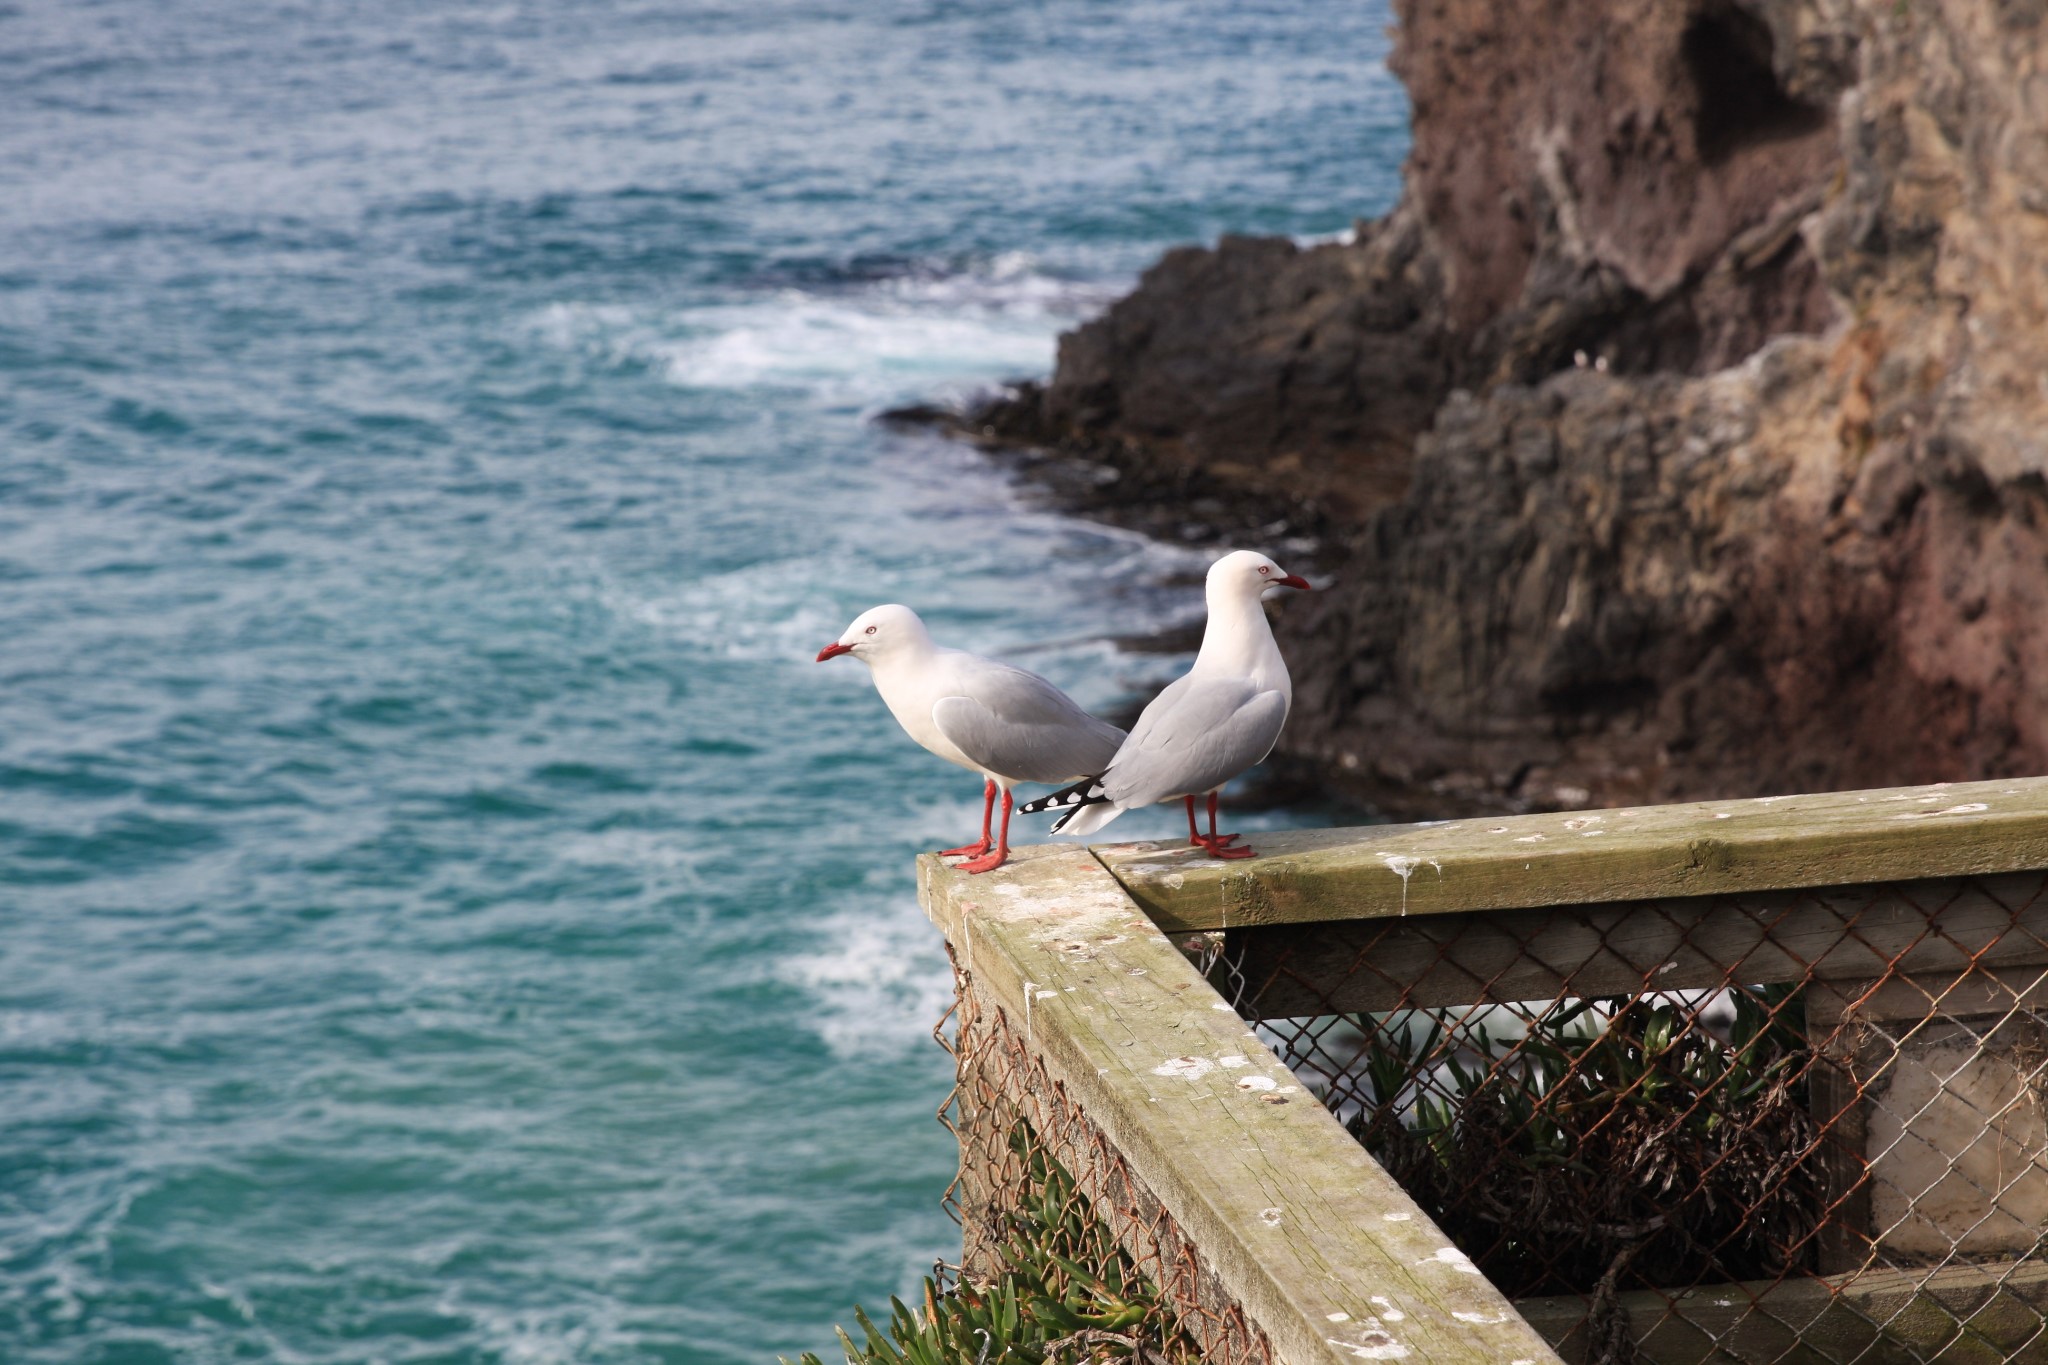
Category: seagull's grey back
[1017,725]
[1195,736]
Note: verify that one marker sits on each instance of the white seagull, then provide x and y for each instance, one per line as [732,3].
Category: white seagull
[1206,727]
[1002,722]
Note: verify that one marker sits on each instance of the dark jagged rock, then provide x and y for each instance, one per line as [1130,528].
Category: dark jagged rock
[1682,432]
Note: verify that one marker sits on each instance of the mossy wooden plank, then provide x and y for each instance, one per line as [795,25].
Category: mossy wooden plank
[1321,1248]
[1645,853]
[1988,989]
[1854,934]
[1966,1313]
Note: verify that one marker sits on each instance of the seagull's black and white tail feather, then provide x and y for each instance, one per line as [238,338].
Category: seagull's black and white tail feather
[1070,800]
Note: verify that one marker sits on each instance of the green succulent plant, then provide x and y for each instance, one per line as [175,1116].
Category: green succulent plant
[1064,1293]
[1608,1128]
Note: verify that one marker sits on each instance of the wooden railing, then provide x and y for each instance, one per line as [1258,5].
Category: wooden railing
[1191,1039]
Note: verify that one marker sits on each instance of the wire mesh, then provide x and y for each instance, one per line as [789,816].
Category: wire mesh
[1766,1128]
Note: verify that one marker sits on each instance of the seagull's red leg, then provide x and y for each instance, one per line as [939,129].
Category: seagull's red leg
[992,861]
[1218,844]
[1218,838]
[988,802]
[1208,842]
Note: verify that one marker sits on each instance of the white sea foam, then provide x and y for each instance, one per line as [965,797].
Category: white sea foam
[666,865]
[856,350]
[552,1335]
[878,979]
[1012,284]
[1347,237]
[915,335]
[765,612]
[784,610]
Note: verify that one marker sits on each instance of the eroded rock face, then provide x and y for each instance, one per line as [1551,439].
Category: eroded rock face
[1263,364]
[1785,526]
[1626,176]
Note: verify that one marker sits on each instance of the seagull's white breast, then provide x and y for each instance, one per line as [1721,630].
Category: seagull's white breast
[910,693]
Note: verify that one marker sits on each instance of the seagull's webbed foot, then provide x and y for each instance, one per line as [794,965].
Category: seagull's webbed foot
[989,862]
[1218,845]
[986,841]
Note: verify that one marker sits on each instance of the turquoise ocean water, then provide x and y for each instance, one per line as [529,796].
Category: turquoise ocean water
[445,915]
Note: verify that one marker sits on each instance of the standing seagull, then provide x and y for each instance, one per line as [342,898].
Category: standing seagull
[1002,722]
[1206,727]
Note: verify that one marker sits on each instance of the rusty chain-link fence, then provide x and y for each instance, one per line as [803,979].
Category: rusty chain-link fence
[1002,1085]
[1774,1127]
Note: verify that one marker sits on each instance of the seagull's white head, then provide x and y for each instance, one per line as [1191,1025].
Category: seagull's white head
[877,633]
[1248,571]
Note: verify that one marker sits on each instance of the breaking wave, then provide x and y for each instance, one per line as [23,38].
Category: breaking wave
[864,343]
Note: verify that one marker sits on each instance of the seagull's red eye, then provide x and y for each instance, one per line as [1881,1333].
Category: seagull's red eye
[1264,570]
[871,629]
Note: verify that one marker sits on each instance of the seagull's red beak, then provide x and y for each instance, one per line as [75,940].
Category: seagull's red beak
[1293,580]
[835,649]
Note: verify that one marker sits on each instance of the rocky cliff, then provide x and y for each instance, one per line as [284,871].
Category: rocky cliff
[1683,431]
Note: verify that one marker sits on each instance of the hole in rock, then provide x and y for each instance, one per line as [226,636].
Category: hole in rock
[1739,103]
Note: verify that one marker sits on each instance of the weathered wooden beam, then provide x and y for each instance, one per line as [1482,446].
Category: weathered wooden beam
[1990,989]
[1851,934]
[1648,853]
[1966,1313]
[1315,1242]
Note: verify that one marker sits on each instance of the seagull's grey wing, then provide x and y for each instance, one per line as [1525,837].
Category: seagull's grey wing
[1193,738]
[1020,726]
[1158,710]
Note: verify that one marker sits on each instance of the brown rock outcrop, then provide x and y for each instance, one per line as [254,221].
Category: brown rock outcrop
[1684,431]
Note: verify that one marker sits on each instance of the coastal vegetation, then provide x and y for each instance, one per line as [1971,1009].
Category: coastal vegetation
[1605,1144]
[1601,1145]
[1064,1292]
